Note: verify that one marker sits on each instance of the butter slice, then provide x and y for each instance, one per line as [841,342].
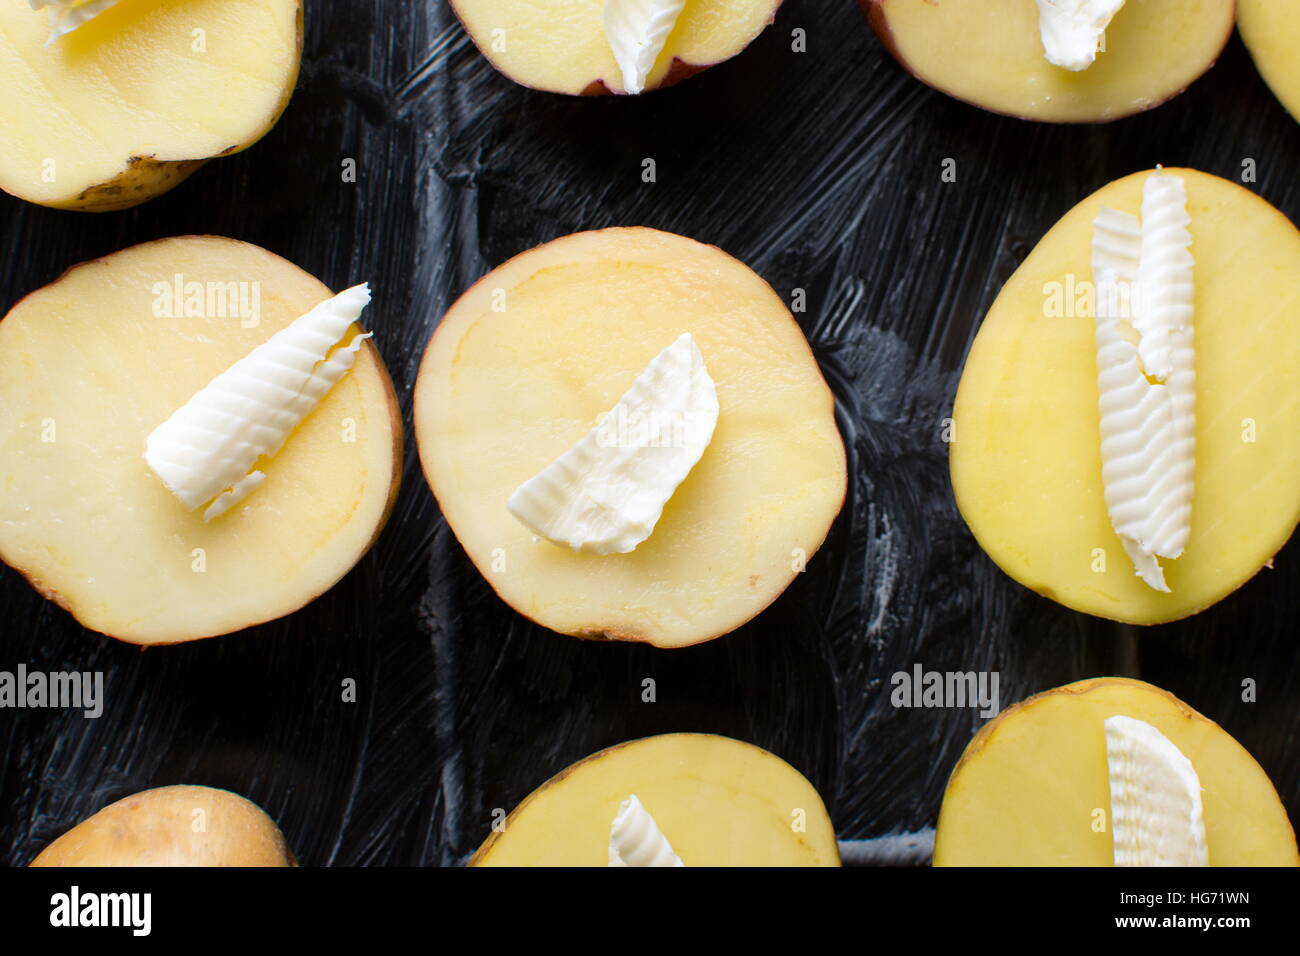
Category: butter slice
[606,493]
[1074,30]
[637,31]
[635,838]
[205,451]
[1146,374]
[1156,816]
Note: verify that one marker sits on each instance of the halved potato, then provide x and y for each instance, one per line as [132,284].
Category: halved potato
[130,103]
[561,46]
[718,801]
[525,362]
[173,826]
[1027,790]
[1026,460]
[88,368]
[1271,31]
[990,53]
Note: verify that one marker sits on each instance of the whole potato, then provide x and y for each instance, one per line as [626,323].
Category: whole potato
[173,826]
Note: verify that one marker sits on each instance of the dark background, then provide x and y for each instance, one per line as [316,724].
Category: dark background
[820,170]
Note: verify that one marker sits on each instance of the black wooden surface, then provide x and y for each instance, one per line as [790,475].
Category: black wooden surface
[821,170]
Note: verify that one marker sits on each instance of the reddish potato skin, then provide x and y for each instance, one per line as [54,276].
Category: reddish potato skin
[879,20]
[874,9]
[678,71]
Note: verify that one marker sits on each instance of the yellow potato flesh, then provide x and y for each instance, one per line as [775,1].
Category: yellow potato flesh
[990,53]
[718,801]
[87,371]
[172,826]
[501,394]
[163,80]
[1028,787]
[561,45]
[1026,462]
[1271,30]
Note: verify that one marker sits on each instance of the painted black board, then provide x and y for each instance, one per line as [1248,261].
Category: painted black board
[821,170]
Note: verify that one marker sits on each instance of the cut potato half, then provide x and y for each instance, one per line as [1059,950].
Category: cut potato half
[91,364]
[990,53]
[173,826]
[525,362]
[561,45]
[1026,459]
[718,802]
[130,103]
[1271,31]
[1032,788]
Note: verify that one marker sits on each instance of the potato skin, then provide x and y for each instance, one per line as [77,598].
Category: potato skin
[141,180]
[678,71]
[158,828]
[875,13]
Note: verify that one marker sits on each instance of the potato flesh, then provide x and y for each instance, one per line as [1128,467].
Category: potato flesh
[990,53]
[718,801]
[88,522]
[502,394]
[1271,30]
[158,828]
[1025,791]
[1026,463]
[129,83]
[561,45]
